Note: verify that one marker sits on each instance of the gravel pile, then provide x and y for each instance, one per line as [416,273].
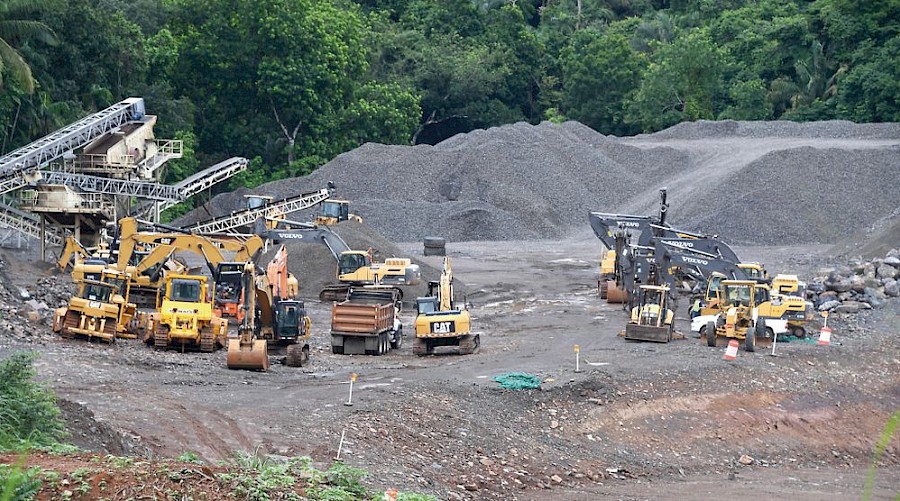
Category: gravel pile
[763,183]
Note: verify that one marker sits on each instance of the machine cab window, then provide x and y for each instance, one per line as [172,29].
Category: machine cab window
[97,292]
[186,290]
[352,262]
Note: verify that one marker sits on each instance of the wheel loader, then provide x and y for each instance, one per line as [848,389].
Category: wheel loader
[651,319]
[184,316]
[439,322]
[740,319]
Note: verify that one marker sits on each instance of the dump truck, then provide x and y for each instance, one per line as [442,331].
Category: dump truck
[366,322]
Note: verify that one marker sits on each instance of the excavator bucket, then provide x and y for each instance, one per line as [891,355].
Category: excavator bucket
[251,355]
[615,294]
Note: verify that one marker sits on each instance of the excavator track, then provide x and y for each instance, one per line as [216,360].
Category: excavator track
[469,344]
[297,355]
[421,347]
[207,341]
[161,337]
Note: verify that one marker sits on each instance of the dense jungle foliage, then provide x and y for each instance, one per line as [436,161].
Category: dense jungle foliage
[292,83]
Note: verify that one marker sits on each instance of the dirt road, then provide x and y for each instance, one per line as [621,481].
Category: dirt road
[639,421]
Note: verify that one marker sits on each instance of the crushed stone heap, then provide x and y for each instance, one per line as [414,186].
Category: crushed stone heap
[765,183]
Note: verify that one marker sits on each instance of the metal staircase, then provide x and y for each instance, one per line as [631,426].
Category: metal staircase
[249,216]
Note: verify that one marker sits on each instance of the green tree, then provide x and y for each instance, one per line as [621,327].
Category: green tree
[15,28]
[684,81]
[749,101]
[600,71]
[870,92]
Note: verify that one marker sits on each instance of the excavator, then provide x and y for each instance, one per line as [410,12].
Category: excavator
[85,263]
[354,267]
[439,322]
[282,318]
[247,351]
[147,256]
[714,270]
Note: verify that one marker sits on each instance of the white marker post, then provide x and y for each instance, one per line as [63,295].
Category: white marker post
[340,446]
[774,342]
[577,358]
[349,401]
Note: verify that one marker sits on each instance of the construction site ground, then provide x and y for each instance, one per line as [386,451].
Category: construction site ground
[639,421]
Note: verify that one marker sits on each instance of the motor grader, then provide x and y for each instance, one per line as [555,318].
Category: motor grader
[740,319]
[651,319]
[184,316]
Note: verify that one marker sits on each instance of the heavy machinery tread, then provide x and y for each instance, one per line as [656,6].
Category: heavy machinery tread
[70,320]
[110,330]
[161,337]
[469,344]
[207,340]
[297,355]
[603,287]
[421,347]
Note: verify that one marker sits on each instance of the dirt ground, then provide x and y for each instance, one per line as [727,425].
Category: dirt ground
[638,421]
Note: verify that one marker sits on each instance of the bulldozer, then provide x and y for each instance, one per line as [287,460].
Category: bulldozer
[247,351]
[439,322]
[651,319]
[184,316]
[91,313]
[740,319]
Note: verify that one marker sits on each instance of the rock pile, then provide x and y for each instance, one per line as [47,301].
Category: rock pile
[860,285]
[26,314]
[763,183]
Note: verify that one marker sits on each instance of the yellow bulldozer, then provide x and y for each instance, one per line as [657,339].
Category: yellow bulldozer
[439,322]
[184,316]
[91,313]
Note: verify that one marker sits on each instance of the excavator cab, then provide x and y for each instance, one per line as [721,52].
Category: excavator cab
[228,290]
[355,266]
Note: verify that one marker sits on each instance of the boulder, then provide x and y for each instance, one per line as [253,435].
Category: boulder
[841,286]
[847,307]
[829,305]
[892,261]
[892,288]
[886,271]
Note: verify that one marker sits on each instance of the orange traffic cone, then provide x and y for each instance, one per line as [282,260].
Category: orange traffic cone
[825,336]
[731,351]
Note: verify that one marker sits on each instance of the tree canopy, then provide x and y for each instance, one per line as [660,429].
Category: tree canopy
[292,83]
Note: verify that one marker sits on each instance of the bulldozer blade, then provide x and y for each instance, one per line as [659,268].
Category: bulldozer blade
[634,332]
[253,356]
[615,294]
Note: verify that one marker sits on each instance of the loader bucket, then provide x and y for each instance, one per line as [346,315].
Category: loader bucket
[634,332]
[251,356]
[615,294]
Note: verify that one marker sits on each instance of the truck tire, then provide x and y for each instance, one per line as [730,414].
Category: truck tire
[711,334]
[435,246]
[758,330]
[397,342]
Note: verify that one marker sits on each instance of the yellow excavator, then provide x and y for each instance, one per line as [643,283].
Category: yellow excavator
[439,322]
[184,316]
[247,351]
